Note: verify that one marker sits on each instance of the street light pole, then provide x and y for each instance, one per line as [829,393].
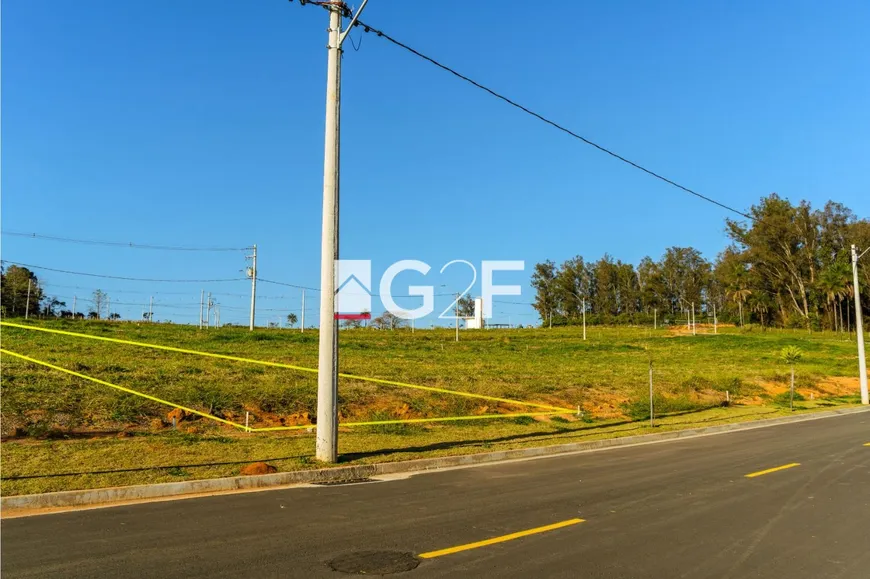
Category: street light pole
[859,326]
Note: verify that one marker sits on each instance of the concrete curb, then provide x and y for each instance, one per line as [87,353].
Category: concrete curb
[120,495]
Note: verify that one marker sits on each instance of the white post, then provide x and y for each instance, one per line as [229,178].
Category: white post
[693,318]
[27,306]
[859,327]
[151,310]
[208,312]
[715,327]
[253,286]
[302,328]
[201,297]
[651,406]
[584,318]
[327,376]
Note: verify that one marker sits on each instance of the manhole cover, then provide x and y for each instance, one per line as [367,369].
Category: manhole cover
[375,563]
[353,481]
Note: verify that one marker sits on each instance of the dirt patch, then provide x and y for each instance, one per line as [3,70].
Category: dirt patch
[257,468]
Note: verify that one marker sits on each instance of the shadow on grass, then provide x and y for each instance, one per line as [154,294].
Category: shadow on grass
[560,434]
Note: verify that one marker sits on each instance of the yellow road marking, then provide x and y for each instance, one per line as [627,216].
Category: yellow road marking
[770,470]
[502,539]
[867,444]
[290,367]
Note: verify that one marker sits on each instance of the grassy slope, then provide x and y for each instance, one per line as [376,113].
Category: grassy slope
[554,366]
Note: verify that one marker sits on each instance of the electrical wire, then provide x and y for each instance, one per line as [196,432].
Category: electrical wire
[540,117]
[121,244]
[124,278]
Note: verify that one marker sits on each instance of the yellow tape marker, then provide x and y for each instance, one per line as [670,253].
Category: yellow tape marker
[267,428]
[502,539]
[770,470]
[127,390]
[291,367]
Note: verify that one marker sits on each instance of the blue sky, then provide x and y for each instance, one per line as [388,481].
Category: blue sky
[201,123]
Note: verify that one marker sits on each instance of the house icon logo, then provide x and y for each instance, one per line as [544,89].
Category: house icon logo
[353,300]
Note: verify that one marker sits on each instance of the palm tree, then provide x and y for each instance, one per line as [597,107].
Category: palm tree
[791,355]
[834,283]
[739,296]
[291,320]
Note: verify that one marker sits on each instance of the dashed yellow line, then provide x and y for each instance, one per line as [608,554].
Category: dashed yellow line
[774,469]
[502,539]
[867,444]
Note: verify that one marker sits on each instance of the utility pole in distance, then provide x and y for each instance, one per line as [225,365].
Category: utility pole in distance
[326,449]
[27,305]
[201,298]
[859,326]
[302,327]
[253,274]
[151,310]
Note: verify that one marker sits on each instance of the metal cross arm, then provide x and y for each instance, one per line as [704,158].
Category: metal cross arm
[352,23]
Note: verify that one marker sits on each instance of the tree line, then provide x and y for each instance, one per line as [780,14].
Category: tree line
[22,295]
[789,266]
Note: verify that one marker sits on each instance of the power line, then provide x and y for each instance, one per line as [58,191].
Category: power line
[120,244]
[125,278]
[315,289]
[540,117]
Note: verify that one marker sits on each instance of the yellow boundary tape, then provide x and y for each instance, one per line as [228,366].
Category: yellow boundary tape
[121,388]
[555,409]
[267,428]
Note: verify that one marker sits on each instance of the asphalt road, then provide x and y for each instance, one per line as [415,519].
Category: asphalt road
[667,510]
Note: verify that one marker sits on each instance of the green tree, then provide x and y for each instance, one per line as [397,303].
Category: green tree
[14,283]
[791,355]
[543,280]
[292,319]
[465,306]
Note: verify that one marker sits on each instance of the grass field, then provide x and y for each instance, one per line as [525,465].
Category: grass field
[55,423]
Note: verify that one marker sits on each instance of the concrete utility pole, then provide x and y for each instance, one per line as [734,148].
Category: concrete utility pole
[302,327]
[327,375]
[208,312]
[74,307]
[108,307]
[253,257]
[201,297]
[859,326]
[584,318]
[151,309]
[456,312]
[27,305]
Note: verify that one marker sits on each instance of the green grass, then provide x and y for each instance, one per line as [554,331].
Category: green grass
[53,465]
[607,375]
